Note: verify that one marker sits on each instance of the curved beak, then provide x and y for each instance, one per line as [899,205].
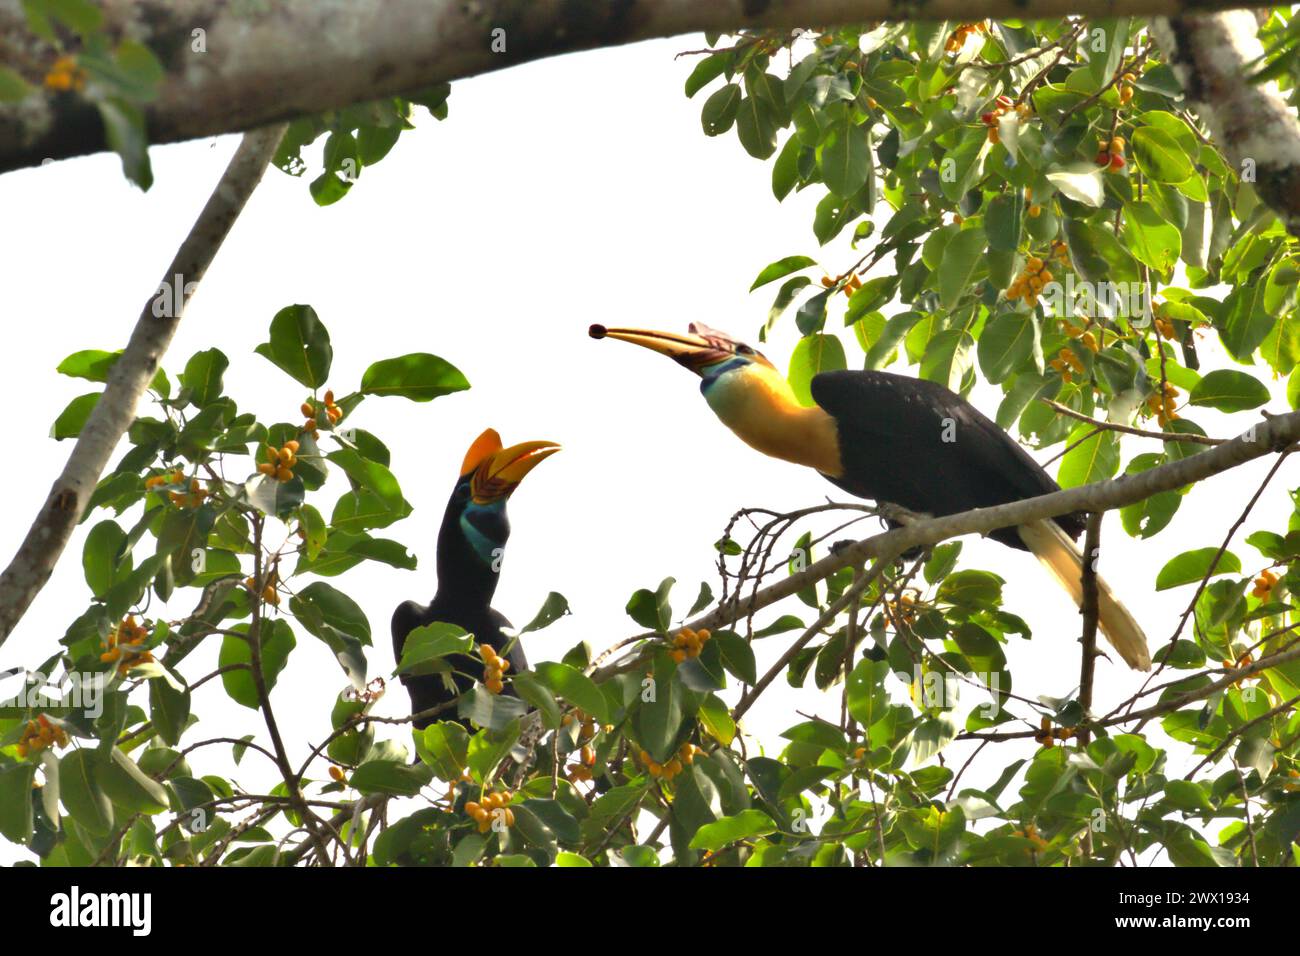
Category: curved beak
[500,473]
[691,350]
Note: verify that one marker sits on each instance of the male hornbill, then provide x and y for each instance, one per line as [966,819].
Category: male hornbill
[470,544]
[892,438]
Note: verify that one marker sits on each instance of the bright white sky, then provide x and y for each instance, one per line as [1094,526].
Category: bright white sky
[575,190]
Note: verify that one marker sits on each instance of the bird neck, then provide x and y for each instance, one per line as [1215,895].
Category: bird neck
[465,579]
[758,405]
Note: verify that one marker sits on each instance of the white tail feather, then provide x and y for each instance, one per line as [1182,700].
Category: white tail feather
[1054,548]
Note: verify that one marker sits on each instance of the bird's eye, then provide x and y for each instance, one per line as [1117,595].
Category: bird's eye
[744,349]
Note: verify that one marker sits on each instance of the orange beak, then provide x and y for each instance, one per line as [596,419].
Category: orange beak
[691,350]
[499,472]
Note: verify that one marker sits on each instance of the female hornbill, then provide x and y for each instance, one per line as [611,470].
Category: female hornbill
[470,545]
[892,438]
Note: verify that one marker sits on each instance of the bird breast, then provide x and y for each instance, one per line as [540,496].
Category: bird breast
[757,404]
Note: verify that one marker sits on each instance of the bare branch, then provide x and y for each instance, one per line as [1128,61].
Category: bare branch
[1213,57]
[1273,435]
[29,569]
[267,62]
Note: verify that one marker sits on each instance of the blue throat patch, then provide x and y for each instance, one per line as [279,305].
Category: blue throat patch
[710,374]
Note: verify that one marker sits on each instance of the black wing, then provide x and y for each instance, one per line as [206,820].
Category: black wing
[915,443]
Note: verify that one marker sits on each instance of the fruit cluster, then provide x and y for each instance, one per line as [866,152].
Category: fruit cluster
[1084,336]
[173,477]
[40,734]
[1164,405]
[1030,833]
[125,643]
[1030,282]
[493,667]
[1164,328]
[65,75]
[1003,105]
[689,643]
[957,39]
[1067,363]
[1046,733]
[492,808]
[332,412]
[904,608]
[1265,583]
[280,461]
[684,757]
[1110,153]
[1126,88]
[270,594]
[853,284]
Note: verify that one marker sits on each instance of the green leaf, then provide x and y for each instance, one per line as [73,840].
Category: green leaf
[79,789]
[130,787]
[567,859]
[105,547]
[1229,391]
[169,709]
[419,376]
[73,418]
[743,826]
[446,748]
[276,646]
[780,269]
[389,776]
[1005,344]
[651,609]
[814,354]
[124,131]
[1191,566]
[82,15]
[1158,155]
[487,748]
[575,687]
[429,642]
[846,161]
[299,345]
[962,254]
[707,70]
[719,112]
[865,687]
[202,376]
[756,126]
[1092,459]
[16,815]
[12,86]
[553,608]
[1002,222]
[1150,238]
[337,621]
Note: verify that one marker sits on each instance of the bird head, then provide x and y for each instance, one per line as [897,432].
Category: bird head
[707,352]
[488,477]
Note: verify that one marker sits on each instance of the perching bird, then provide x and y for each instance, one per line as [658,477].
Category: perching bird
[470,545]
[894,439]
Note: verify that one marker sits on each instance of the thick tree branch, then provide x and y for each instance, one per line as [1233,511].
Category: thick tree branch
[1213,56]
[27,573]
[1273,435]
[265,62]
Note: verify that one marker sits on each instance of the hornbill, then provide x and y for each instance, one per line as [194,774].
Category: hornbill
[470,545]
[895,439]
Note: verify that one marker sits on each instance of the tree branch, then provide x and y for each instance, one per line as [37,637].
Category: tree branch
[29,569]
[1273,435]
[267,62]
[1213,57]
